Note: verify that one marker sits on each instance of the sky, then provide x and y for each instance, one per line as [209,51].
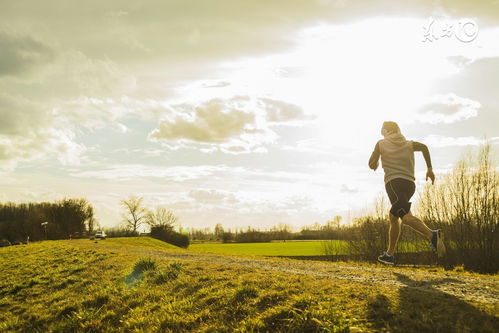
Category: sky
[245,113]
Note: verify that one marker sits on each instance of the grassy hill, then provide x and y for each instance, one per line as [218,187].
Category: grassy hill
[142,284]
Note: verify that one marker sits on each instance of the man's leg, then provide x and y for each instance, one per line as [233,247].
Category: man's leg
[393,234]
[418,225]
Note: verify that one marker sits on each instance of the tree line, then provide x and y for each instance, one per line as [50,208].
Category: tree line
[331,229]
[74,218]
[20,222]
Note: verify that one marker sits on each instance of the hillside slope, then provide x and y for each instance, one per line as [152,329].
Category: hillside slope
[141,284]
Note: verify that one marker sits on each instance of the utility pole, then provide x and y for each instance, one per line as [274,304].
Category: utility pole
[44,224]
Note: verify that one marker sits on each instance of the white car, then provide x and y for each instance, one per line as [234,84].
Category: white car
[100,234]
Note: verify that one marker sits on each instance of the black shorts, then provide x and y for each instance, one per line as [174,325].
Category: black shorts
[400,191]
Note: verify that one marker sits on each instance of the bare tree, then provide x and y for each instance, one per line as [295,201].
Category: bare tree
[219,231]
[282,231]
[465,204]
[161,217]
[135,213]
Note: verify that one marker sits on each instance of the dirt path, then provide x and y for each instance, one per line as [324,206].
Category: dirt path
[468,287]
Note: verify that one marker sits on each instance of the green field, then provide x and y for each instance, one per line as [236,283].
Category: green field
[285,249]
[313,248]
[145,285]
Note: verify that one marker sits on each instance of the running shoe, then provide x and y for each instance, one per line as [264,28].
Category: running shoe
[386,259]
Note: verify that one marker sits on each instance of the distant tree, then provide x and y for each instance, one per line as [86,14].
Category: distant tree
[205,234]
[161,217]
[91,225]
[219,231]
[282,231]
[252,236]
[227,237]
[135,213]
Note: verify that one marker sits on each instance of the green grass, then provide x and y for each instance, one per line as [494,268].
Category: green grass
[288,248]
[140,242]
[313,248]
[137,285]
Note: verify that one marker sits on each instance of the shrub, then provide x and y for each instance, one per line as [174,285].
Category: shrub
[144,265]
[168,235]
[369,237]
[465,205]
[120,232]
[332,249]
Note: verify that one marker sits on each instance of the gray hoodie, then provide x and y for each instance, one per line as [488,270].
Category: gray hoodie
[397,156]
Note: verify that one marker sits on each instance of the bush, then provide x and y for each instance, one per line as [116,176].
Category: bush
[120,232]
[166,234]
[369,237]
[465,205]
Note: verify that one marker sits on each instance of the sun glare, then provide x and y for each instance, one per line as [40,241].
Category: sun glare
[351,75]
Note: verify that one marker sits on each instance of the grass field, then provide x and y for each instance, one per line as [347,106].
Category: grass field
[313,248]
[144,285]
[288,248]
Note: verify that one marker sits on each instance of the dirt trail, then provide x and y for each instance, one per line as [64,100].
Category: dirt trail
[472,287]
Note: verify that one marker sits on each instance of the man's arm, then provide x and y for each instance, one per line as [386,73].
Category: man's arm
[373,160]
[418,146]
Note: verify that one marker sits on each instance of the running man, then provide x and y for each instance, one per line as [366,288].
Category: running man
[397,159]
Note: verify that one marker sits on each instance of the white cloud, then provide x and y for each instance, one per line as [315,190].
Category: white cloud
[30,131]
[214,121]
[347,189]
[236,125]
[448,109]
[440,141]
[134,171]
[76,74]
[280,111]
[216,197]
[98,113]
[313,146]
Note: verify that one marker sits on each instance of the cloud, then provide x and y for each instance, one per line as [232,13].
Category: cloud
[22,54]
[214,121]
[20,117]
[77,74]
[30,131]
[40,145]
[215,84]
[213,197]
[349,190]
[98,113]
[279,111]
[440,141]
[134,171]
[236,125]
[448,109]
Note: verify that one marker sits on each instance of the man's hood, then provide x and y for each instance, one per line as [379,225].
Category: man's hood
[396,138]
